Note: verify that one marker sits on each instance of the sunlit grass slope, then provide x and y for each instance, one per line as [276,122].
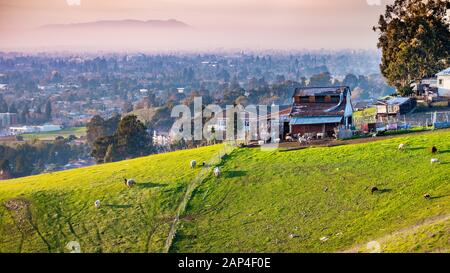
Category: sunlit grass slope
[310,200]
[320,200]
[44,213]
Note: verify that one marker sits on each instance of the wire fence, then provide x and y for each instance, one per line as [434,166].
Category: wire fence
[408,121]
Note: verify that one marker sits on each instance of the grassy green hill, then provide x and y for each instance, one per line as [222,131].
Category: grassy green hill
[310,200]
[76,131]
[288,201]
[44,213]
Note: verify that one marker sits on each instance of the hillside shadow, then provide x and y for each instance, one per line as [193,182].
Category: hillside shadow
[444,152]
[150,185]
[118,206]
[416,148]
[233,174]
[381,191]
[438,197]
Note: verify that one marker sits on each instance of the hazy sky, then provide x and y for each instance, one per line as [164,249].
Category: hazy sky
[262,24]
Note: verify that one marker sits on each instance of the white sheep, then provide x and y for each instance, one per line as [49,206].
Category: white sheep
[434,161]
[193,164]
[401,147]
[217,172]
[97,203]
[129,182]
[304,140]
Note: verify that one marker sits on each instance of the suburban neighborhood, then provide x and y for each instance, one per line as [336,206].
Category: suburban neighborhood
[224,135]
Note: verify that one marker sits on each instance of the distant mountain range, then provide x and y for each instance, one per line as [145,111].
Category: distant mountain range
[150,24]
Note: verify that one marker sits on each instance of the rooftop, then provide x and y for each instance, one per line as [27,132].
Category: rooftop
[445,72]
[393,101]
[322,109]
[320,91]
[317,109]
[315,120]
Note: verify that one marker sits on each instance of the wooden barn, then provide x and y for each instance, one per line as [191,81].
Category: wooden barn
[320,111]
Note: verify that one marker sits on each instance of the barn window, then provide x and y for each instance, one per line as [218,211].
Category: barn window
[335,99]
[304,99]
[320,99]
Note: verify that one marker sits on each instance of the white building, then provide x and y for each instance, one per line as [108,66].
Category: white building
[34,129]
[161,139]
[443,83]
[7,119]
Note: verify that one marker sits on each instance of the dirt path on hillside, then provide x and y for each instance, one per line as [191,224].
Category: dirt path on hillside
[429,221]
[192,186]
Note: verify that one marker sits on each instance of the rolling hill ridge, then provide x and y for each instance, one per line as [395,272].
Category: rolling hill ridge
[309,200]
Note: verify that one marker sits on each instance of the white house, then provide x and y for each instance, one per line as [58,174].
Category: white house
[443,84]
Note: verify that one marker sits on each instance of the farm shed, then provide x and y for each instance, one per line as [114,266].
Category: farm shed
[321,110]
[393,106]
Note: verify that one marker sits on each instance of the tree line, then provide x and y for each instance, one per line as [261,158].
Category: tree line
[117,138]
[414,37]
[34,157]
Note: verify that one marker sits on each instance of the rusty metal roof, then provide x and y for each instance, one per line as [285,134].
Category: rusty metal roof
[320,91]
[314,120]
[317,109]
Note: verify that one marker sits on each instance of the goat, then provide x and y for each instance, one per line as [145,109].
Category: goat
[217,172]
[193,164]
[434,161]
[305,140]
[97,203]
[401,147]
[374,189]
[434,150]
[129,182]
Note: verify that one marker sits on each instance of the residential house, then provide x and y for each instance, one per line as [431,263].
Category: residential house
[426,89]
[284,118]
[261,123]
[4,175]
[321,110]
[240,119]
[443,83]
[394,106]
[7,119]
